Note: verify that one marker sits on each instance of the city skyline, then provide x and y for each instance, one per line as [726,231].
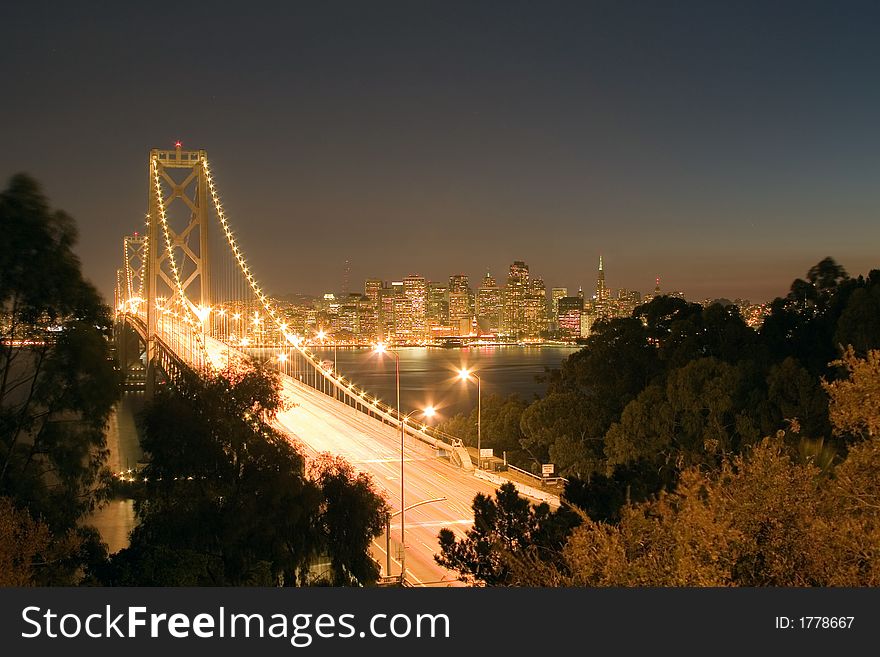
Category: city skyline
[412,310]
[726,148]
[589,280]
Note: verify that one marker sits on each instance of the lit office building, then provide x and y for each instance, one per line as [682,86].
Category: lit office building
[489,305]
[588,319]
[535,308]
[415,291]
[438,305]
[555,295]
[386,323]
[460,303]
[514,299]
[569,311]
[347,327]
[369,310]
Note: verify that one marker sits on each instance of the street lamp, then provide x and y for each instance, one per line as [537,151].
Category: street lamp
[382,349]
[465,375]
[388,531]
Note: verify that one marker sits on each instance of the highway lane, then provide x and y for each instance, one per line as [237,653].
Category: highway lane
[323,424]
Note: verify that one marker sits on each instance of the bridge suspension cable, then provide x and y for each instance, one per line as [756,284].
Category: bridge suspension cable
[217,328]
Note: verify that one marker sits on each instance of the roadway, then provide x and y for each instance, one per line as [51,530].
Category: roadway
[323,424]
[320,423]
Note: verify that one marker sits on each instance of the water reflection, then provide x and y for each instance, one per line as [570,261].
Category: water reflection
[116,519]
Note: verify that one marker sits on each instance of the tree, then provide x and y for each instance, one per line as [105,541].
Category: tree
[803,324]
[755,522]
[586,396]
[716,331]
[855,401]
[662,313]
[352,514]
[616,363]
[506,524]
[762,519]
[859,324]
[793,394]
[22,541]
[558,427]
[500,428]
[227,500]
[851,504]
[700,414]
[57,380]
[602,497]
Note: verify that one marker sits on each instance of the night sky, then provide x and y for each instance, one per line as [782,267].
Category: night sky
[725,146]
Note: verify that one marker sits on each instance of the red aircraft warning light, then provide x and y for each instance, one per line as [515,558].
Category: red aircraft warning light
[177,144]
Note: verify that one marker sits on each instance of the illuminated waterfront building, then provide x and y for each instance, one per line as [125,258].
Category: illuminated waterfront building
[386,323]
[555,295]
[489,305]
[588,318]
[569,311]
[415,292]
[514,299]
[535,308]
[369,311]
[460,303]
[438,305]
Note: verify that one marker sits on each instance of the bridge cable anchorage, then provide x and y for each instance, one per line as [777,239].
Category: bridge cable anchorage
[169,247]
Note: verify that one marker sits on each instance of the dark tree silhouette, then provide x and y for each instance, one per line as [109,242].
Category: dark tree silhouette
[505,524]
[227,500]
[57,380]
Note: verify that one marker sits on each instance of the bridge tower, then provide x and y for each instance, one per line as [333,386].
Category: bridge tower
[134,253]
[177,270]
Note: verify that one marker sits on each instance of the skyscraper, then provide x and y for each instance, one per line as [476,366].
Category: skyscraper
[369,310]
[514,298]
[555,295]
[489,305]
[387,320]
[569,317]
[603,302]
[601,290]
[371,289]
[415,291]
[535,308]
[438,305]
[460,304]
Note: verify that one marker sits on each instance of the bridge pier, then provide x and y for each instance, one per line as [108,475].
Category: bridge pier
[130,353]
[150,381]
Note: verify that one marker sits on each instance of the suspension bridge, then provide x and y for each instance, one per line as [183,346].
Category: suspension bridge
[186,298]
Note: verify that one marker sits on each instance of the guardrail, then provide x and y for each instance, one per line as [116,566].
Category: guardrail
[529,491]
[553,481]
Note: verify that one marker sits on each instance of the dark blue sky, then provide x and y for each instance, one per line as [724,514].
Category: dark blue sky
[726,146]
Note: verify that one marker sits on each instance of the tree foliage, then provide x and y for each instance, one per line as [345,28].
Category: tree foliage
[678,384]
[23,541]
[855,401]
[504,524]
[227,500]
[57,381]
[500,428]
[350,516]
[762,519]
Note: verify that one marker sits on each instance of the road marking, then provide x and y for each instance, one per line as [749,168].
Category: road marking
[436,523]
